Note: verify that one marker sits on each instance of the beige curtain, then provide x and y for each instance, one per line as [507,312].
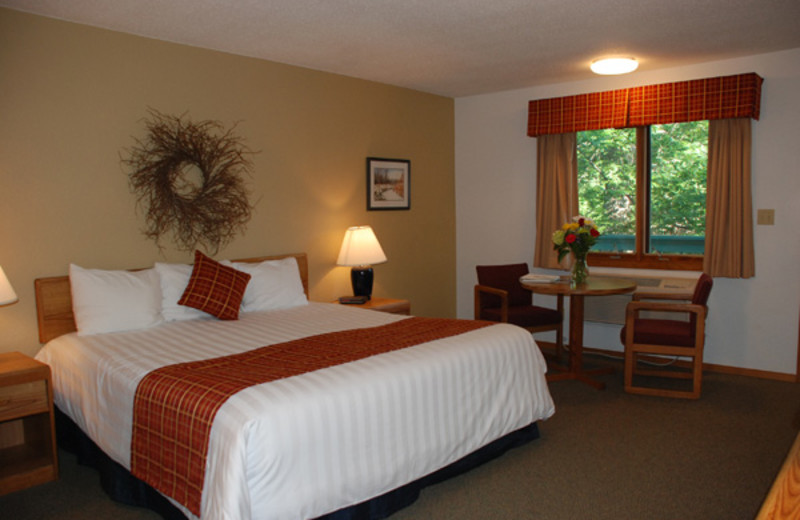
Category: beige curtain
[729,214]
[556,192]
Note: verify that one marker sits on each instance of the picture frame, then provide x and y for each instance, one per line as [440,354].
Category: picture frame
[388,184]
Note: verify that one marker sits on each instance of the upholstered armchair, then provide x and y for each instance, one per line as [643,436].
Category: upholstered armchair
[499,296]
[648,340]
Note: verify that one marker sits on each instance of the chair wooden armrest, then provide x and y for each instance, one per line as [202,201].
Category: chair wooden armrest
[502,294]
[635,307]
[646,295]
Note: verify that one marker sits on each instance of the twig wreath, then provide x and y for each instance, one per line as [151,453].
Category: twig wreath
[188,176]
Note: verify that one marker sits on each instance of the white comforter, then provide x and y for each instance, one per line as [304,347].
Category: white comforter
[307,445]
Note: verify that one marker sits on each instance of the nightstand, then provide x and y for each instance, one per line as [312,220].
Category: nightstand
[389,305]
[28,453]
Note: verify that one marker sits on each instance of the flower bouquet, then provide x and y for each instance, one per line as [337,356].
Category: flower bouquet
[576,237]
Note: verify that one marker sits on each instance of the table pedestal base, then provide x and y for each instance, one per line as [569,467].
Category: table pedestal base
[575,370]
[594,286]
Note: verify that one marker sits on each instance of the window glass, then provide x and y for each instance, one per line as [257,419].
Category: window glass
[679,159]
[607,185]
[673,182]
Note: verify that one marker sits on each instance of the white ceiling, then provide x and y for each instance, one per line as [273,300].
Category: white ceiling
[452,47]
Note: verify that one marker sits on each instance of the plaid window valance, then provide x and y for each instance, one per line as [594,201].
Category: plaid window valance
[723,97]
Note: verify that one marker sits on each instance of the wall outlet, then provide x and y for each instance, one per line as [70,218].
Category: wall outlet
[766,217]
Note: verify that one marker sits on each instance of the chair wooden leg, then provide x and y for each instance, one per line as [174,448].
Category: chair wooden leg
[630,360]
[697,380]
[559,343]
[696,377]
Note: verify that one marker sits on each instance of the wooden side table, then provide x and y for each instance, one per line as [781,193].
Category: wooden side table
[28,453]
[389,305]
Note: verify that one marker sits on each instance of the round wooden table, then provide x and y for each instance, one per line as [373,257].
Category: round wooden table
[594,286]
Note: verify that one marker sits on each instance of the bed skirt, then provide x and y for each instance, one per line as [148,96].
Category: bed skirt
[123,487]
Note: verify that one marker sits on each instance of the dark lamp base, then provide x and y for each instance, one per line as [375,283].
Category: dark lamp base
[361,278]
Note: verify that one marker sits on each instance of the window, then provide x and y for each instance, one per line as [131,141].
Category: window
[645,188]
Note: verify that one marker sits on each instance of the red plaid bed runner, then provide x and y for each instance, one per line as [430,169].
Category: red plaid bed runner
[175,405]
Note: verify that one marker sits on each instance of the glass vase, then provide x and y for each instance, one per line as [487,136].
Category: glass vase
[579,269]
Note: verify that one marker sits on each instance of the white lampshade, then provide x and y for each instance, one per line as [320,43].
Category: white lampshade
[360,247]
[7,294]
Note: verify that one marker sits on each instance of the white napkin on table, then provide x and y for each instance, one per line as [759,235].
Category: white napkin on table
[539,278]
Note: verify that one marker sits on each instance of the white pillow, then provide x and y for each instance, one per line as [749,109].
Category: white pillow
[174,278]
[274,284]
[112,301]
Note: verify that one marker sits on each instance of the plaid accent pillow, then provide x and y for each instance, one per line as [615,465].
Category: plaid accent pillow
[215,288]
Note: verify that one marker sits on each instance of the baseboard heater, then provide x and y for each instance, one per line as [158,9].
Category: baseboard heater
[611,309]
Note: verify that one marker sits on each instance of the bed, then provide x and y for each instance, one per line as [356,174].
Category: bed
[357,439]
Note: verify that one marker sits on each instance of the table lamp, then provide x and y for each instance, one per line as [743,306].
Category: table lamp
[7,294]
[360,249]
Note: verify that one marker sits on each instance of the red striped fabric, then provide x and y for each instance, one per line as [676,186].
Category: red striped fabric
[723,97]
[215,288]
[175,406]
[584,111]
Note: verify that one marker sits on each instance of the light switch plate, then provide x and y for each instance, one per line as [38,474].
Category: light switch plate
[765,217]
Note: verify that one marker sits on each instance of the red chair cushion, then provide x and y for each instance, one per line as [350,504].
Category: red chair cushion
[525,315]
[661,332]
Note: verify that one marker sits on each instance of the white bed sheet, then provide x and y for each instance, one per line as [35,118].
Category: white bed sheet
[308,445]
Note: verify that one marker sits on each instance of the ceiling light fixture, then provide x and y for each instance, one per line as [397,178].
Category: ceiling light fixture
[610,66]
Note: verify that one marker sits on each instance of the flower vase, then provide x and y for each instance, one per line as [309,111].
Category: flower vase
[579,270]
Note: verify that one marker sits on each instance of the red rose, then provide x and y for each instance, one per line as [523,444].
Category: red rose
[581,222]
[594,232]
[569,239]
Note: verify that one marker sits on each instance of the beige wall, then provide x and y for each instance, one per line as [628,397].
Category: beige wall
[72,99]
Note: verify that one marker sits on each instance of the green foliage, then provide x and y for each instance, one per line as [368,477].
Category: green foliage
[607,179]
[679,161]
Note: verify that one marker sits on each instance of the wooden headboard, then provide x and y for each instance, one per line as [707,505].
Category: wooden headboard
[54,298]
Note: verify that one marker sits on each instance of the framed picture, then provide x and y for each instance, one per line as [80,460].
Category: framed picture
[388,183]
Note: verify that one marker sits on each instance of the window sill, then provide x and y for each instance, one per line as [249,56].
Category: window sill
[634,261]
